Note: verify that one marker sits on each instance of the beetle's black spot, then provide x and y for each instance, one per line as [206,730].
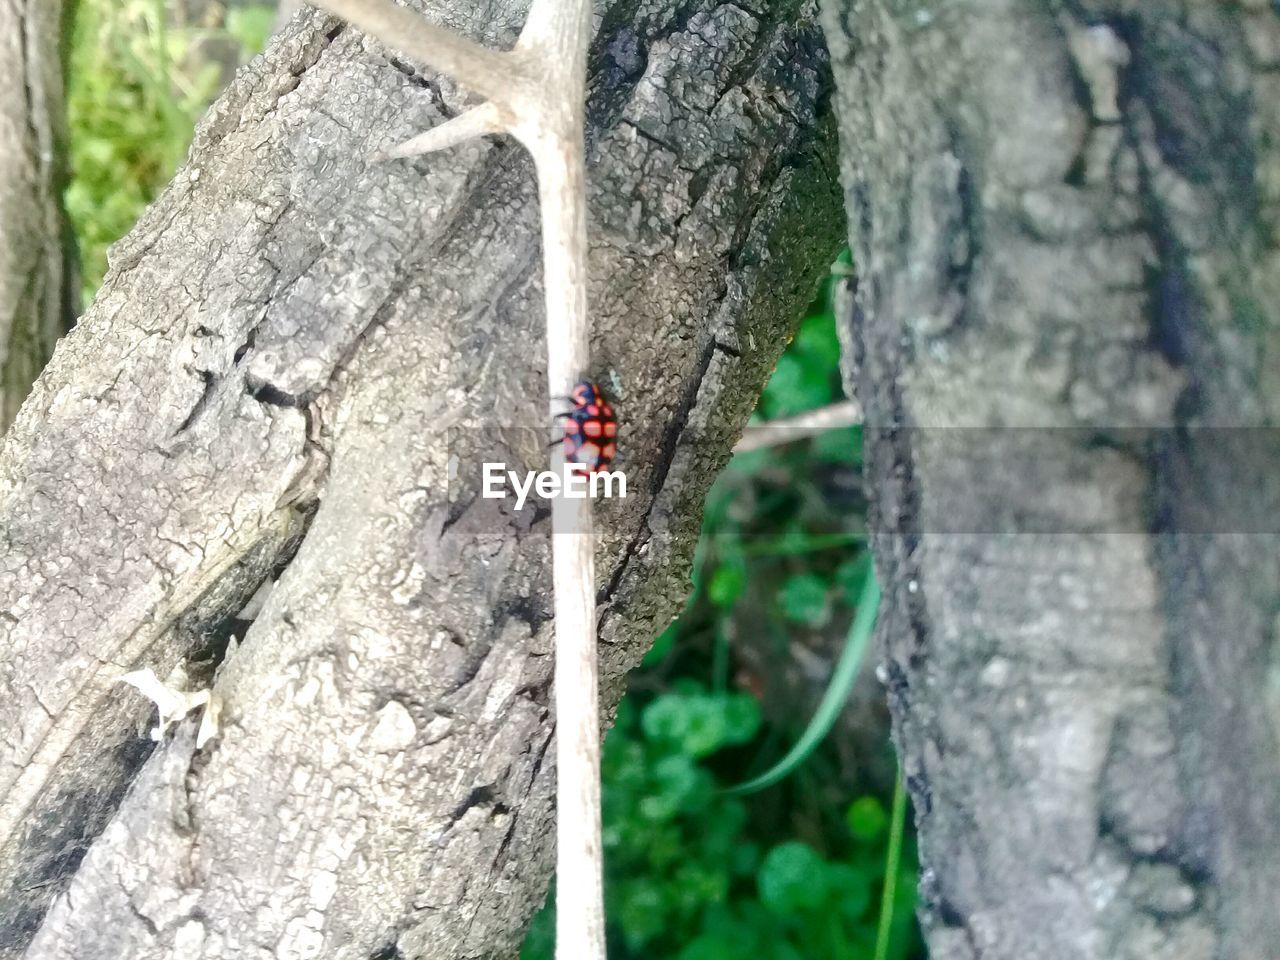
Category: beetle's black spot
[591,417]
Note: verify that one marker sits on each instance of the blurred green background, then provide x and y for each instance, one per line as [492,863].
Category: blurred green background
[694,872]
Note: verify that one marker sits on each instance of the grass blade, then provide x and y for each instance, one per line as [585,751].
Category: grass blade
[833,698]
[897,825]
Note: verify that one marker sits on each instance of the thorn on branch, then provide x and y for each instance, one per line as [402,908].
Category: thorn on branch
[477,122]
[173,702]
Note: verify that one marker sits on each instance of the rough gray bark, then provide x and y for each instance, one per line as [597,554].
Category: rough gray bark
[1066,218]
[298,362]
[36,303]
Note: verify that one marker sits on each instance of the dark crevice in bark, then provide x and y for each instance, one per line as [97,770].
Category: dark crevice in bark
[209,381]
[269,393]
[665,458]
[243,349]
[667,449]
[477,654]
[458,509]
[484,795]
[1174,315]
[533,611]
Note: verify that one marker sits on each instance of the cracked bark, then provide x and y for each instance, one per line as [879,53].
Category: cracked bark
[296,365]
[37,302]
[1066,217]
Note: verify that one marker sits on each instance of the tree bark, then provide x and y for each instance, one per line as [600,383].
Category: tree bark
[36,286]
[296,366]
[1066,220]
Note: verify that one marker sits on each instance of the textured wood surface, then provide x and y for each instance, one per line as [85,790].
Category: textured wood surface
[297,363]
[1066,218]
[36,293]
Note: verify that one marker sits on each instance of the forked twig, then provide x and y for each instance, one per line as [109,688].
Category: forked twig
[536,92]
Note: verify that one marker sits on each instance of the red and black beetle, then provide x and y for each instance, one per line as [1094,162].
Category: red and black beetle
[590,429]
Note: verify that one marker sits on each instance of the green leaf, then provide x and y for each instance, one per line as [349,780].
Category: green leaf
[843,445]
[817,339]
[797,384]
[742,717]
[707,729]
[665,719]
[674,783]
[696,723]
[727,584]
[897,827]
[867,819]
[640,911]
[804,600]
[792,877]
[744,859]
[540,941]
[698,884]
[748,463]
[709,947]
[850,890]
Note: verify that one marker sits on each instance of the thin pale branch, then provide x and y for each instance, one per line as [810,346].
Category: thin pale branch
[579,890]
[758,436]
[490,73]
[556,37]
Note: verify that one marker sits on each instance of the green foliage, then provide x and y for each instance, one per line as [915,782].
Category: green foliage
[891,913]
[696,724]
[793,877]
[685,878]
[866,819]
[807,375]
[804,599]
[727,583]
[132,108]
[251,26]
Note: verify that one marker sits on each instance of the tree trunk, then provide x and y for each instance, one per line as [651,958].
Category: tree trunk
[1066,218]
[36,289]
[296,366]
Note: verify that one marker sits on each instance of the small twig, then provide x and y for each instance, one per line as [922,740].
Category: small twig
[758,436]
[537,92]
